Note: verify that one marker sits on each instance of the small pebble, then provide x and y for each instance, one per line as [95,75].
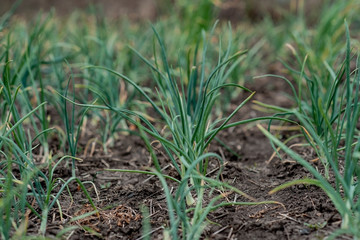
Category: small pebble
[304,231]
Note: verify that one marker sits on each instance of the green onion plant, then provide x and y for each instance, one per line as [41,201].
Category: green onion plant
[27,183]
[336,141]
[185,108]
[316,54]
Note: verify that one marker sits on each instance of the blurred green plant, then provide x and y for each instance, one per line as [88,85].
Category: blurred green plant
[197,16]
